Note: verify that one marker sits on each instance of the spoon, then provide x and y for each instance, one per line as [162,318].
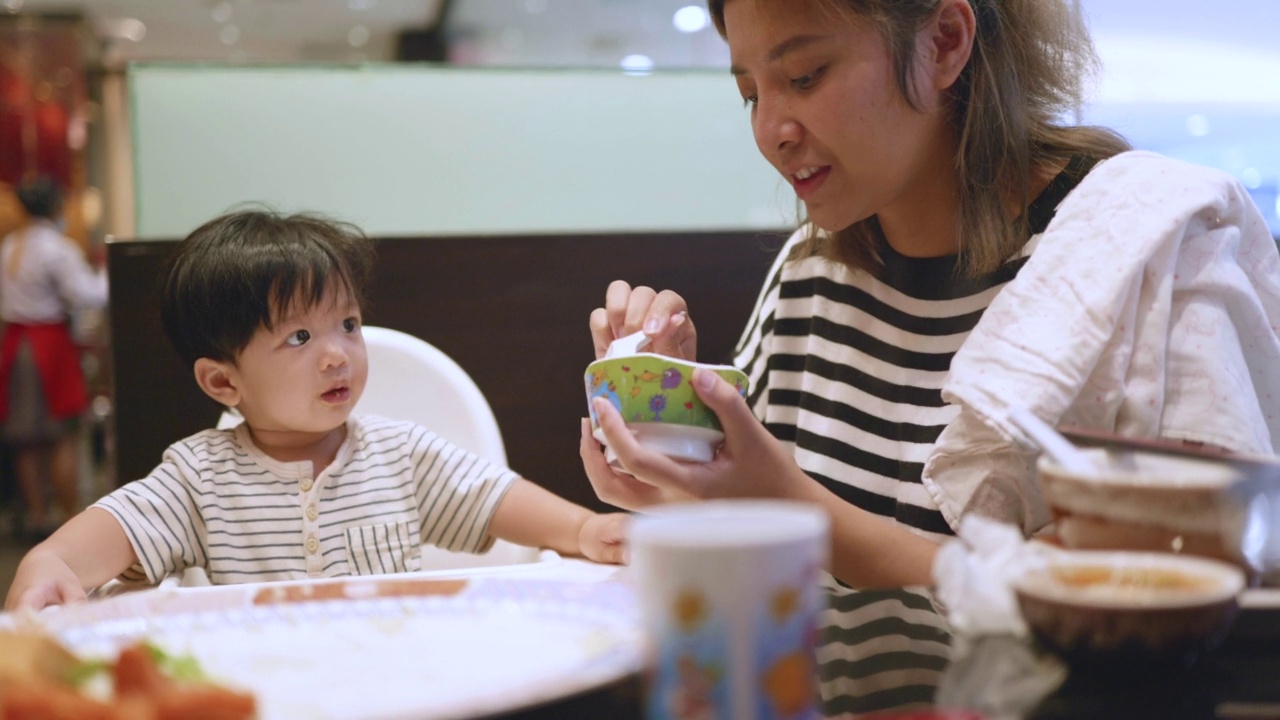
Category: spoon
[628,344]
[1052,443]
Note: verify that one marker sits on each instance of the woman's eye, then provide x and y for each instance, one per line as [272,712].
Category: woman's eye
[299,338]
[804,82]
[750,100]
[351,324]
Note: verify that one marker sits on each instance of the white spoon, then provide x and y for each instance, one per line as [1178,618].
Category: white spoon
[1052,443]
[628,344]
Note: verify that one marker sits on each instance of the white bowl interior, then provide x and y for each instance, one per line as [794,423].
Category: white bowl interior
[690,364]
[1141,488]
[1122,466]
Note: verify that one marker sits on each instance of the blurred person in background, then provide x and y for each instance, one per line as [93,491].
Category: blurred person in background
[44,278]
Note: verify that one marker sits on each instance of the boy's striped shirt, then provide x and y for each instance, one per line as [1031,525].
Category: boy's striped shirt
[218,502]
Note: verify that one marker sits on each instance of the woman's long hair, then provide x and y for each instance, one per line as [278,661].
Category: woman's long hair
[1030,63]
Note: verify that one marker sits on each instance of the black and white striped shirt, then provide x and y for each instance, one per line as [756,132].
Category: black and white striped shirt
[218,502]
[847,369]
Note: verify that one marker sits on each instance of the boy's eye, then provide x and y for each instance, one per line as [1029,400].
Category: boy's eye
[298,338]
[351,324]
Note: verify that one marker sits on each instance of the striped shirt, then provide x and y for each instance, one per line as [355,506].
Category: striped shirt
[846,368]
[216,501]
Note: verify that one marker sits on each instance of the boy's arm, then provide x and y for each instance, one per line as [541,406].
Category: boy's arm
[87,551]
[530,515]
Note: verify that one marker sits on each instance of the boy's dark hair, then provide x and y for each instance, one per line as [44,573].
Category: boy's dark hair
[41,197]
[245,270]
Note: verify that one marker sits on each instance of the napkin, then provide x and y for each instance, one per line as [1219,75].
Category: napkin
[994,669]
[974,576]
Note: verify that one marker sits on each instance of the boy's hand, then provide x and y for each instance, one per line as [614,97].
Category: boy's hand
[43,579]
[602,538]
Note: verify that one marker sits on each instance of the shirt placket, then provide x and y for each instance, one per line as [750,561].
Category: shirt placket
[309,500]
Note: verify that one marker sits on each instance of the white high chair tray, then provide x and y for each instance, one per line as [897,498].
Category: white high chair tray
[404,646]
[432,646]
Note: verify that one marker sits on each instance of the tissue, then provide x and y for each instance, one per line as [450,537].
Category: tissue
[974,576]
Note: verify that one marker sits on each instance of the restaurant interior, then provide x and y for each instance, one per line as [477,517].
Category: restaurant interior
[511,158]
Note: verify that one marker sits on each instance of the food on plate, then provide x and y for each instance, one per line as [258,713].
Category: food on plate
[27,657]
[355,589]
[41,680]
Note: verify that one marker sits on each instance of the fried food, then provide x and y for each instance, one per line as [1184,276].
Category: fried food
[39,680]
[29,657]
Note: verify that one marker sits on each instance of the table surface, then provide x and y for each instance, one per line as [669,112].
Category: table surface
[1240,679]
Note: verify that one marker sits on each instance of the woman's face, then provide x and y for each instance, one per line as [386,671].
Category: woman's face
[827,112]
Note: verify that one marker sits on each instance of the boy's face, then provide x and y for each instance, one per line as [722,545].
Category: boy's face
[307,373]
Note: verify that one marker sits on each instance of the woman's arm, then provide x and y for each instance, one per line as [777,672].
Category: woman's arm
[867,550]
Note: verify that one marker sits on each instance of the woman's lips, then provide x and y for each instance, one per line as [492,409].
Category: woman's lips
[809,185]
[337,395]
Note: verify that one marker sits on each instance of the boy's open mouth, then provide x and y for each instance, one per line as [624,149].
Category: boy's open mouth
[337,395]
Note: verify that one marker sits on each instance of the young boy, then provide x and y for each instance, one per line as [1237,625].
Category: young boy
[266,309]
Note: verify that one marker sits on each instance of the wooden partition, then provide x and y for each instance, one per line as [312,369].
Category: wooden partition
[511,310]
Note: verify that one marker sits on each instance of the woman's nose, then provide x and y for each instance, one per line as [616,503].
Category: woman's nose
[775,127]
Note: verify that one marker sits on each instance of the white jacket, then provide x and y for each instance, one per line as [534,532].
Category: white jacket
[1149,309]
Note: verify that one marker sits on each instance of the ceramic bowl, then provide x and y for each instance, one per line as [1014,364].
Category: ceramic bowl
[655,396]
[1110,606]
[1146,501]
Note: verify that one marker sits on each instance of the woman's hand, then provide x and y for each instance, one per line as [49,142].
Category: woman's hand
[663,316]
[866,550]
[751,463]
[620,489]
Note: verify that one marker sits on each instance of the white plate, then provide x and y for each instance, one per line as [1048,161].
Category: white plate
[496,645]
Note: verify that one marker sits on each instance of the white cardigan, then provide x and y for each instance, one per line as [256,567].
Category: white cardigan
[1149,309]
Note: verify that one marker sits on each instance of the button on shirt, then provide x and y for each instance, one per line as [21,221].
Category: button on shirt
[218,502]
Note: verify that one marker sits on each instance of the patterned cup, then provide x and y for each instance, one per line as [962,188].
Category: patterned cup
[730,598]
[655,396]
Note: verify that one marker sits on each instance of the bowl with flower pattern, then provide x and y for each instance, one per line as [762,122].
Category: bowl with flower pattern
[655,396]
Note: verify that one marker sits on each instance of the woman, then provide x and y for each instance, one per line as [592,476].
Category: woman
[923,139]
[43,275]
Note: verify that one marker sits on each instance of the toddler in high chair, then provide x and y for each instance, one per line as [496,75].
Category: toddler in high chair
[267,311]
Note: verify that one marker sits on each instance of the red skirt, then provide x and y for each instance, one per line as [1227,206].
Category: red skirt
[57,361]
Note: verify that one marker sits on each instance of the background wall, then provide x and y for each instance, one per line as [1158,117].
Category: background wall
[410,150]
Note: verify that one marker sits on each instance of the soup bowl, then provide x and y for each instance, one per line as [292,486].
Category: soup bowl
[1112,606]
[1146,501]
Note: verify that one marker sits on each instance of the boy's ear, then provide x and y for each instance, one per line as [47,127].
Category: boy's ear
[948,42]
[218,380]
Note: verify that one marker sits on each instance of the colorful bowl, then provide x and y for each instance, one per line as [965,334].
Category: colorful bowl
[655,396]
